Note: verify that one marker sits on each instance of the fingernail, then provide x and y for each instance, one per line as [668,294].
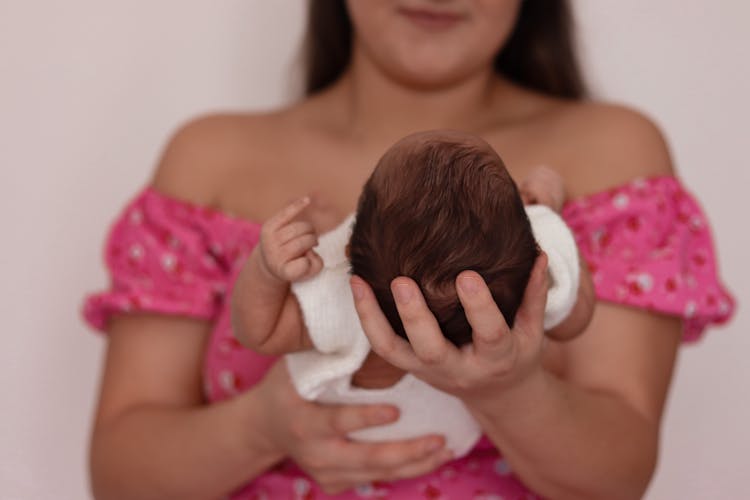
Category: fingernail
[468,285]
[403,293]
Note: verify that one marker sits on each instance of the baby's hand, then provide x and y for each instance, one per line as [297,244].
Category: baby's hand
[543,186]
[286,245]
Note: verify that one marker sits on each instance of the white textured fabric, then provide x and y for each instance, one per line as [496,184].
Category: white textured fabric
[327,306]
[556,239]
[341,347]
[328,310]
[423,410]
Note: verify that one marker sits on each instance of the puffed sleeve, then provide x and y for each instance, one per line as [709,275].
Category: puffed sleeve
[648,245]
[164,256]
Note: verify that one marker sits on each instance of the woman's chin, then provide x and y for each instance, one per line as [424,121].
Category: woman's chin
[432,71]
[430,78]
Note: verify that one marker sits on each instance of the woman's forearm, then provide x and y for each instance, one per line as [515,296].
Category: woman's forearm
[161,452]
[567,442]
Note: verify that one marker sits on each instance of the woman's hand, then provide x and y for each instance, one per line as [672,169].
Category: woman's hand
[314,436]
[499,358]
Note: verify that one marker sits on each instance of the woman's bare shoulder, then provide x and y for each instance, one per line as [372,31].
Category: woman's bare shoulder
[604,145]
[206,152]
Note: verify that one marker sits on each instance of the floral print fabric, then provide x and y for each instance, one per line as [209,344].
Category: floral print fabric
[647,244]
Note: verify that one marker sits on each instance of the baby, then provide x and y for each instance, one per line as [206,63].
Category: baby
[436,204]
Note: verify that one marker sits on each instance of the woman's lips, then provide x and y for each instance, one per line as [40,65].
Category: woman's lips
[431,20]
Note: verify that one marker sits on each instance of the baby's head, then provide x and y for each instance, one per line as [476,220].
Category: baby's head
[439,203]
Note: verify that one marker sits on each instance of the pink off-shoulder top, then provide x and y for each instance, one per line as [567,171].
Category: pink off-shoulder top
[647,243]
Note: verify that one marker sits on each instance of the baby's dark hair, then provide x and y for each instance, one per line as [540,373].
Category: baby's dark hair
[436,204]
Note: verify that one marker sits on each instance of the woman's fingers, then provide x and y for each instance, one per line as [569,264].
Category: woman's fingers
[340,420]
[399,453]
[419,467]
[393,461]
[316,436]
[336,461]
[421,327]
[490,333]
[383,339]
[388,455]
[374,470]
[530,315]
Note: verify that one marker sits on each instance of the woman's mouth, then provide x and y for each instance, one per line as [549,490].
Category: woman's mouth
[430,19]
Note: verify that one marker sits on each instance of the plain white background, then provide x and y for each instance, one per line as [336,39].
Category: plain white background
[89,92]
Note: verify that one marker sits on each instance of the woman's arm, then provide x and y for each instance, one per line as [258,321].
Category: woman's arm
[153,438]
[154,435]
[592,434]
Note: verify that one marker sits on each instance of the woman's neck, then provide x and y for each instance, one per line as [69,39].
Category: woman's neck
[380,108]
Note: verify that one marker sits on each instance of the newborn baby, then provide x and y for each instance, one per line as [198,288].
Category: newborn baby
[436,204]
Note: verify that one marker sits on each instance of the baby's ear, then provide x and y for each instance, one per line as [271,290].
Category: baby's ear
[347,251]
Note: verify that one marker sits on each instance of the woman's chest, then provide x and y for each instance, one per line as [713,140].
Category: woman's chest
[332,178]
[333,172]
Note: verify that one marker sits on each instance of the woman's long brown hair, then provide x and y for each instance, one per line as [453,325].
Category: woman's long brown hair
[539,55]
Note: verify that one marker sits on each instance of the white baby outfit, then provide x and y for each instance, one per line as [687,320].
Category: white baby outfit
[324,374]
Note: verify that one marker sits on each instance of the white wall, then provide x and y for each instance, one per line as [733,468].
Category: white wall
[90,90]
[685,62]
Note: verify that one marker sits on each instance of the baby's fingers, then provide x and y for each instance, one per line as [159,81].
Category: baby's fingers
[296,269]
[292,230]
[316,263]
[303,267]
[298,247]
[528,197]
[287,213]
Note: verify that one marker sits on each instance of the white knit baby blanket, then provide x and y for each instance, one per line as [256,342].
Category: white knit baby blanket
[324,374]
[554,237]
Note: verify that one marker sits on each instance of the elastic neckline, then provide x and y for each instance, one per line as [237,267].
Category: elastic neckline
[152,192]
[222,214]
[650,180]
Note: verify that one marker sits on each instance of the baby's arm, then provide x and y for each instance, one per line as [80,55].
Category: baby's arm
[266,315]
[544,186]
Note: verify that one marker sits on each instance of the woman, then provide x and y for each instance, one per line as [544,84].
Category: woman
[184,412]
